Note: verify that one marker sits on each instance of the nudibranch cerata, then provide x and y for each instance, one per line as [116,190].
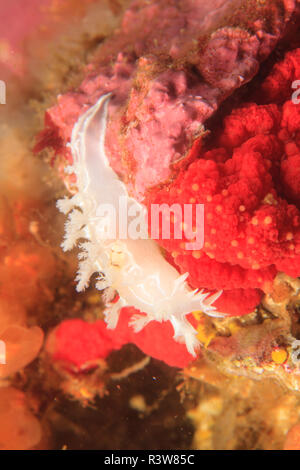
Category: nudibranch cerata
[133,267]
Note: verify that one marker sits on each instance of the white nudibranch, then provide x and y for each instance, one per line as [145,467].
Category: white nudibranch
[134,268]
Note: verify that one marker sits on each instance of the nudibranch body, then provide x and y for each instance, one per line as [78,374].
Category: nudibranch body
[134,267]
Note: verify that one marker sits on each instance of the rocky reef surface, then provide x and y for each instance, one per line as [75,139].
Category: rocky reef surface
[201,112]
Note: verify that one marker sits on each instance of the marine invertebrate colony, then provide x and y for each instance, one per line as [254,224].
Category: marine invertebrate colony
[248,181]
[135,268]
[251,231]
[162,91]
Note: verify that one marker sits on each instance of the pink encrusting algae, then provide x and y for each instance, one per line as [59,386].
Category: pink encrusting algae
[167,74]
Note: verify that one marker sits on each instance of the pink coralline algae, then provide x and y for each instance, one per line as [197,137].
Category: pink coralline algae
[178,63]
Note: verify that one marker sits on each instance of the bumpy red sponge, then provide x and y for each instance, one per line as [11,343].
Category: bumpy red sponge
[79,343]
[249,183]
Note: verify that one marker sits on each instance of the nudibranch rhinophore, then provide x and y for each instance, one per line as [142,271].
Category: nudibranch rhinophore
[133,267]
